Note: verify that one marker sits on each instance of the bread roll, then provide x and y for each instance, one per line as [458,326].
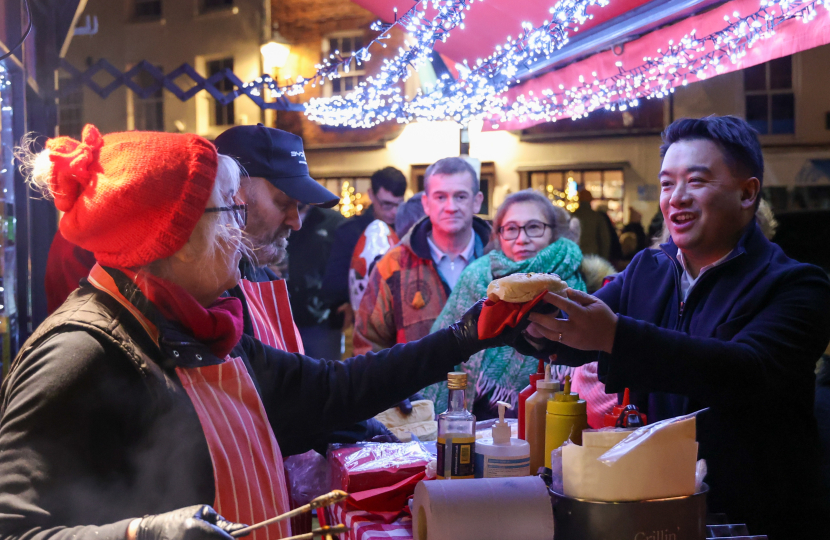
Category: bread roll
[524,287]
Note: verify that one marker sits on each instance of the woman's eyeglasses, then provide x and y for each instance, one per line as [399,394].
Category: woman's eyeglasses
[533,229]
[240,212]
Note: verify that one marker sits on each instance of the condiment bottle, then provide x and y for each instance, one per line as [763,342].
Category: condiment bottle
[610,419]
[456,432]
[567,416]
[526,392]
[502,456]
[535,418]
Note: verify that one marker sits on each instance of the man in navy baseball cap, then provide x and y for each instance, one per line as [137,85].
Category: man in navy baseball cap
[277,182]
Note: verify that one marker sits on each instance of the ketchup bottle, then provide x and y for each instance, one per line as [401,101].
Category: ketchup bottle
[526,393]
[612,417]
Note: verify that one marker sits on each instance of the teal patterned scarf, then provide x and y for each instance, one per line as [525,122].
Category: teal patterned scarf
[501,373]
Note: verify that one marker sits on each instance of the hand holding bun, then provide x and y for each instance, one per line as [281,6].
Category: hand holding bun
[524,287]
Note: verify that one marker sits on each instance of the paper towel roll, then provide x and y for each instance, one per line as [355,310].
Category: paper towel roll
[482,509]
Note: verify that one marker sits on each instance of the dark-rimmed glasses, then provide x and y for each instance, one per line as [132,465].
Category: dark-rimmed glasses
[533,229]
[240,212]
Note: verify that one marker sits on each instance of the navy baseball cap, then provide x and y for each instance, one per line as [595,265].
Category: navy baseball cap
[278,157]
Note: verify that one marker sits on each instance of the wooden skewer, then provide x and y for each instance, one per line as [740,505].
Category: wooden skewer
[322,531]
[323,500]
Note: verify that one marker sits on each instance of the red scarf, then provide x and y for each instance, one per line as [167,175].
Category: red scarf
[219,326]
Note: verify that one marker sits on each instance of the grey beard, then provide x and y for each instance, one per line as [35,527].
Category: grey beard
[269,253]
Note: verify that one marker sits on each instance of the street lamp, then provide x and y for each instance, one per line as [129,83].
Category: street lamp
[275,53]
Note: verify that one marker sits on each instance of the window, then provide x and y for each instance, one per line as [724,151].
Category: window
[214,5]
[606,186]
[344,45]
[770,101]
[354,190]
[71,112]
[222,115]
[147,10]
[149,112]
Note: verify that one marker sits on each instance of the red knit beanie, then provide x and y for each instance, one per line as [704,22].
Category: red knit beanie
[131,198]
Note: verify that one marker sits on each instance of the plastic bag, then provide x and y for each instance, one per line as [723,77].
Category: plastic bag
[308,476]
[556,468]
[362,466]
[639,436]
[700,474]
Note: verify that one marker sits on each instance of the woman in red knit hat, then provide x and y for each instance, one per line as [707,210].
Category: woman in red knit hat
[140,396]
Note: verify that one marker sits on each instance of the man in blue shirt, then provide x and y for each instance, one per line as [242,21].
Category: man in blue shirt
[718,317]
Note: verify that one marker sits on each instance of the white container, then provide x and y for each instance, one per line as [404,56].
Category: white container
[502,456]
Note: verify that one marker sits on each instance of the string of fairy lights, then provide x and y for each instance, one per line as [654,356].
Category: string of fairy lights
[479,92]
[468,97]
[658,76]
[425,32]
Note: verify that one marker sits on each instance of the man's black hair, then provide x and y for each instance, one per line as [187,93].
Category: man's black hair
[734,136]
[390,179]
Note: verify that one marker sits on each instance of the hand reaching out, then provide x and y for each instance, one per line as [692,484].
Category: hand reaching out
[590,325]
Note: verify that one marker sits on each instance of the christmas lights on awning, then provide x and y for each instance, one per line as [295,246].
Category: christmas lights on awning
[482,92]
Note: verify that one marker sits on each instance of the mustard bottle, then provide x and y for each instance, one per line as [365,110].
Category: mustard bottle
[535,417]
[566,417]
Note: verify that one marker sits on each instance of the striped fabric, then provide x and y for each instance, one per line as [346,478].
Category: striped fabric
[586,383]
[271,314]
[247,464]
[365,526]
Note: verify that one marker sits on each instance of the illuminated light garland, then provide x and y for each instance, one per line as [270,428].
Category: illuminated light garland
[477,95]
[472,96]
[658,76]
[414,21]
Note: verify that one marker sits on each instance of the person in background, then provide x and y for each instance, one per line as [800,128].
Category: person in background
[369,250]
[277,181]
[386,195]
[409,286]
[717,321]
[308,250]
[594,238]
[635,226]
[615,251]
[409,213]
[529,235]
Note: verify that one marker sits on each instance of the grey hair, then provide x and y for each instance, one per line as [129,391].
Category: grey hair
[215,227]
[451,165]
[558,218]
[408,214]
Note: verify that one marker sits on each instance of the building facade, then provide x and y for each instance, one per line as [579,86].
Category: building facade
[613,154]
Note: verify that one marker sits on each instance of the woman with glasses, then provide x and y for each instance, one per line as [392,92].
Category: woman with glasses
[140,395]
[529,235]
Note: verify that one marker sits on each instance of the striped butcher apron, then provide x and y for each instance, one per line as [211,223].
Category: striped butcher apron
[271,314]
[248,471]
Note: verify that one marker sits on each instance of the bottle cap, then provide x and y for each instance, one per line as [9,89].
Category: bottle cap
[567,403]
[457,380]
[501,431]
[547,383]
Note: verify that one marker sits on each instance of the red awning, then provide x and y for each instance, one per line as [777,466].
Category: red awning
[638,28]
[489,22]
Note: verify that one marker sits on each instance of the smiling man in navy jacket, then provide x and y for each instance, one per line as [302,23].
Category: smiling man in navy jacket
[718,317]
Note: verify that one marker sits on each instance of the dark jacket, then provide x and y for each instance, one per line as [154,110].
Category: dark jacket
[308,252]
[96,429]
[406,292]
[336,281]
[744,344]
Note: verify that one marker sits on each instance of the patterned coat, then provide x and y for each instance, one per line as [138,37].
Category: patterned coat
[405,293]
